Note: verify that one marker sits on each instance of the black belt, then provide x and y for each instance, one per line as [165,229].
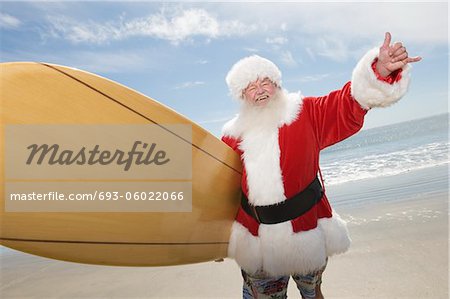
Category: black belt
[288,209]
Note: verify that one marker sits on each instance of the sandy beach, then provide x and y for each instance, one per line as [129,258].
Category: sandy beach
[399,250]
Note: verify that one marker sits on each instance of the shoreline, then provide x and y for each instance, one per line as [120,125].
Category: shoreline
[431,181]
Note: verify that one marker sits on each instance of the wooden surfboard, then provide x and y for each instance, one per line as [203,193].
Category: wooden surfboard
[39,93]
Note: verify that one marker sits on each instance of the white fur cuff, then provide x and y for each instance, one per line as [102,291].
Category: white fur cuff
[371,92]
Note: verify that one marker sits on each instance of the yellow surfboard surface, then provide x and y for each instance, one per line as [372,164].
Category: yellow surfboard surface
[39,93]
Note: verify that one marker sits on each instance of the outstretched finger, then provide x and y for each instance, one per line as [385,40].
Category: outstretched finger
[387,40]
[413,59]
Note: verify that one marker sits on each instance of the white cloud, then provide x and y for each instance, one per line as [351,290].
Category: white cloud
[288,59]
[310,53]
[312,78]
[8,21]
[175,26]
[251,50]
[344,31]
[420,22]
[412,22]
[189,84]
[76,32]
[333,48]
[277,40]
[182,25]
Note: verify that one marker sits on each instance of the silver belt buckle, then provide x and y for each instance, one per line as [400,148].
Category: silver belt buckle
[256,213]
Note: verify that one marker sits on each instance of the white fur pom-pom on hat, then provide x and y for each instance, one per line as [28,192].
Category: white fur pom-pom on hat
[248,70]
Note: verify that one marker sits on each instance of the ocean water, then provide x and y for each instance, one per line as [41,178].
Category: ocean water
[387,151]
[403,160]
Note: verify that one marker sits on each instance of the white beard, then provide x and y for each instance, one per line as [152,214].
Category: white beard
[258,126]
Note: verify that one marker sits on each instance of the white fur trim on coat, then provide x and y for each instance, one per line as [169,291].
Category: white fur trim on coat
[371,92]
[258,129]
[278,250]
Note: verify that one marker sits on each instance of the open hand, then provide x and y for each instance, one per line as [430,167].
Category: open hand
[392,58]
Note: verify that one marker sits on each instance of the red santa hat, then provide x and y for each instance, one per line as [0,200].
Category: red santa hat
[248,70]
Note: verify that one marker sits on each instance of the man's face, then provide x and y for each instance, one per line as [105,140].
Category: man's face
[260,91]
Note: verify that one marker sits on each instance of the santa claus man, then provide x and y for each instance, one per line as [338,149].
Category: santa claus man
[285,225]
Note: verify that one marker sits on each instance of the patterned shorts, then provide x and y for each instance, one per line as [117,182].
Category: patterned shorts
[262,287]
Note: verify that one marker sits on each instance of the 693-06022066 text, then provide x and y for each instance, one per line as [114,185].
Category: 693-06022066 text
[100,195]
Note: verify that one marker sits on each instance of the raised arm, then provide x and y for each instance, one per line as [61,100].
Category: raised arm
[379,79]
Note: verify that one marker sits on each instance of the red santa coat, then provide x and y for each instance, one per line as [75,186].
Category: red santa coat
[280,145]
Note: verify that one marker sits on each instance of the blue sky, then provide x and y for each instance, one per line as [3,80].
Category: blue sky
[179,52]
